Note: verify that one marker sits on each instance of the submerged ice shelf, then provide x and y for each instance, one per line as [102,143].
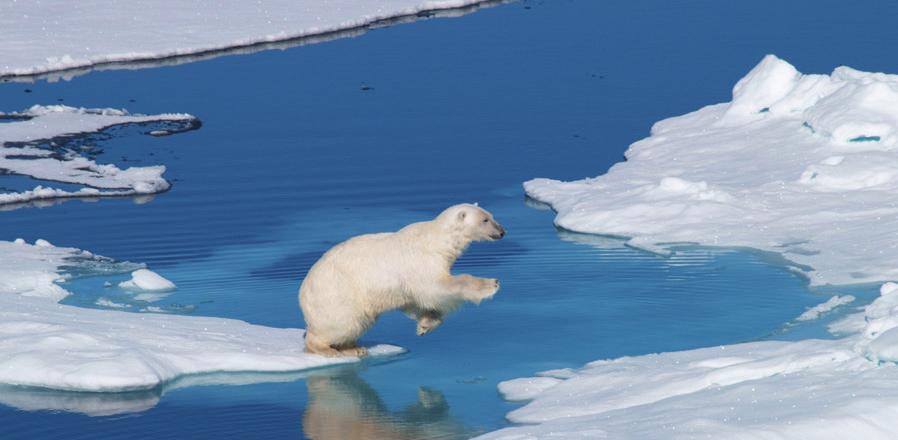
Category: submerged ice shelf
[49,345]
[19,156]
[820,389]
[802,165]
[47,36]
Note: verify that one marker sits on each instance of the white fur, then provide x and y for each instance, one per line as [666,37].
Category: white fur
[357,280]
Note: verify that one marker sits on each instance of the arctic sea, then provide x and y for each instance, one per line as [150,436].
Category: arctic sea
[303,147]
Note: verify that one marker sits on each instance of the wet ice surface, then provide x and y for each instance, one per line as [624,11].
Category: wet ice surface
[238,230]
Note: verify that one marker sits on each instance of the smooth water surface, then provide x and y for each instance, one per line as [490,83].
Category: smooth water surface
[305,147]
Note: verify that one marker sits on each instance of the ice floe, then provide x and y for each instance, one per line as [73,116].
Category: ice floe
[20,155]
[798,164]
[48,36]
[801,165]
[49,345]
[821,389]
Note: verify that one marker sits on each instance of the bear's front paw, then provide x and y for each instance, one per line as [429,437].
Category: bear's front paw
[489,287]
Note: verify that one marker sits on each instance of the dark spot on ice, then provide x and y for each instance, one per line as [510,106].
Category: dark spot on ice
[764,110]
[808,126]
[425,14]
[863,138]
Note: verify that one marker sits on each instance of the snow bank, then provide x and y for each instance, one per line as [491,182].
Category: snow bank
[145,279]
[17,156]
[820,389]
[48,36]
[48,345]
[802,165]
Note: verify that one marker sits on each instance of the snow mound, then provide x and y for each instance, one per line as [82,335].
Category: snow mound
[145,279]
[798,164]
[49,36]
[821,389]
[48,345]
[17,156]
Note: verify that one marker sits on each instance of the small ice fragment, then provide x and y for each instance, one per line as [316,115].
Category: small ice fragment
[829,305]
[103,302]
[145,279]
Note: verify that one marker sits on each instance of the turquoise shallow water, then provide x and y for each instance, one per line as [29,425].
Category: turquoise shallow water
[305,147]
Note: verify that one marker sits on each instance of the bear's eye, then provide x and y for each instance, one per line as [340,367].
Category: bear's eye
[485,220]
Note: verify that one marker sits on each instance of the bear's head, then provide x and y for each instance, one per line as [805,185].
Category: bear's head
[472,222]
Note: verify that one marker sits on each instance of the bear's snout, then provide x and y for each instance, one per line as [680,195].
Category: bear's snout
[499,234]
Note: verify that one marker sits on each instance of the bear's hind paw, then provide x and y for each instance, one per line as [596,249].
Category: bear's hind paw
[354,351]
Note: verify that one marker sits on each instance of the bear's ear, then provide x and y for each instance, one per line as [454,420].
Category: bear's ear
[461,215]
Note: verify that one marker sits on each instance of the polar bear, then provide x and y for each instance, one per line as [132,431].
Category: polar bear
[358,279]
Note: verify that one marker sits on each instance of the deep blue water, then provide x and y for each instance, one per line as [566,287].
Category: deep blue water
[294,156]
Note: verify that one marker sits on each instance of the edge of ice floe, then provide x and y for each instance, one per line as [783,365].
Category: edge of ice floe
[67,68]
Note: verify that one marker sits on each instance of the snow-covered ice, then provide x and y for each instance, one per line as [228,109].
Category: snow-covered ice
[145,279]
[820,389]
[49,345]
[17,156]
[46,36]
[798,164]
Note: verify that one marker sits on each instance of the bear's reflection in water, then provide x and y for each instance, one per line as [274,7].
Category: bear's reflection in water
[342,406]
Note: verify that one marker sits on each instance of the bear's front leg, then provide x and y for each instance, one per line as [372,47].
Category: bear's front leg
[472,288]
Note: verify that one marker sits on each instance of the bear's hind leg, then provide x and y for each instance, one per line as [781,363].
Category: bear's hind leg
[428,321]
[352,350]
[315,345]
